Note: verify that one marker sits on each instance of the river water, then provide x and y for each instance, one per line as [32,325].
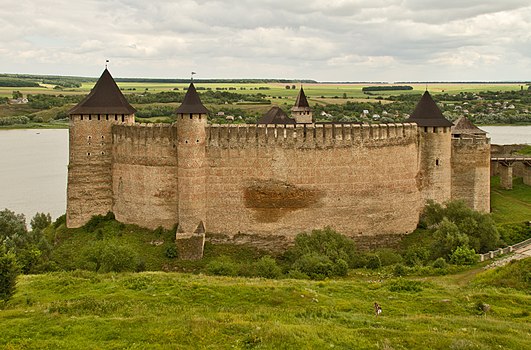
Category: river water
[33,166]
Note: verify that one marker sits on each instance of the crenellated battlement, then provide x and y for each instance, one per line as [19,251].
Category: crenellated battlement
[305,135]
[470,140]
[143,133]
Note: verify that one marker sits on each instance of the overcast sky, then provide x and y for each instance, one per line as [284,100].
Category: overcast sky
[325,40]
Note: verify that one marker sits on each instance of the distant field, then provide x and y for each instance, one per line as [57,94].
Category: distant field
[312,90]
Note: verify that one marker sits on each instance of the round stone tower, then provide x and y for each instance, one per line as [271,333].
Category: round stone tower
[191,175]
[434,179]
[89,190]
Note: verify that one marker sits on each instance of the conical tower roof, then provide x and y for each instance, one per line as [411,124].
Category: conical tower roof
[465,126]
[427,113]
[302,101]
[276,116]
[192,103]
[104,98]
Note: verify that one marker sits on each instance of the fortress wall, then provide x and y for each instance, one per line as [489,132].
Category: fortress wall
[282,180]
[471,172]
[144,175]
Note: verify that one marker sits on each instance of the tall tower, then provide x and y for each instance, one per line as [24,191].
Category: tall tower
[435,147]
[301,111]
[89,190]
[191,175]
[471,165]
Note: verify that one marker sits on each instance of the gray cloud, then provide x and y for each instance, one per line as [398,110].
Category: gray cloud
[315,39]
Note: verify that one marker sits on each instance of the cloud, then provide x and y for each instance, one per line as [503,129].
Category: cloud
[311,39]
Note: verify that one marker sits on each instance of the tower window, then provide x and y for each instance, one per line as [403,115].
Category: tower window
[122,118]
[99,117]
[90,117]
[191,116]
[437,162]
[81,117]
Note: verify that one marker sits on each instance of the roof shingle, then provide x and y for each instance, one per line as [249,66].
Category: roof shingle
[427,113]
[104,98]
[192,103]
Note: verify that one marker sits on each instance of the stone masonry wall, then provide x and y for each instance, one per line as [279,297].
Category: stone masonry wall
[144,175]
[434,178]
[282,180]
[89,190]
[471,172]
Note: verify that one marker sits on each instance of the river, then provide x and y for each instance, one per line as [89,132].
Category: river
[33,166]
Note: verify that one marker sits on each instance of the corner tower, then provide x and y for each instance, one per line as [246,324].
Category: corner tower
[89,190]
[191,175]
[301,111]
[434,177]
[471,165]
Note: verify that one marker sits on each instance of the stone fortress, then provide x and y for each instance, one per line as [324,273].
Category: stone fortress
[265,183]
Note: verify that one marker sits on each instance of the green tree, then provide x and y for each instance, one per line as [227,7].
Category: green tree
[9,270]
[17,94]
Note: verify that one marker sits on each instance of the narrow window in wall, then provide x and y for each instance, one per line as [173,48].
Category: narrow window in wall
[122,118]
[99,117]
[81,117]
[90,117]
[437,162]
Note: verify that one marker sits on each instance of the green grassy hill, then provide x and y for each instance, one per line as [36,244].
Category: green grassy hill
[155,310]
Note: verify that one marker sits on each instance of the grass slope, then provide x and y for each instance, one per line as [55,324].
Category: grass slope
[155,310]
[510,206]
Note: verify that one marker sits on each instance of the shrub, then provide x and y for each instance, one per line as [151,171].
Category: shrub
[222,266]
[171,252]
[440,263]
[404,285]
[108,256]
[96,220]
[324,242]
[373,262]
[448,238]
[463,255]
[400,270]
[456,221]
[416,255]
[296,274]
[514,233]
[315,266]
[388,257]
[267,267]
[9,270]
